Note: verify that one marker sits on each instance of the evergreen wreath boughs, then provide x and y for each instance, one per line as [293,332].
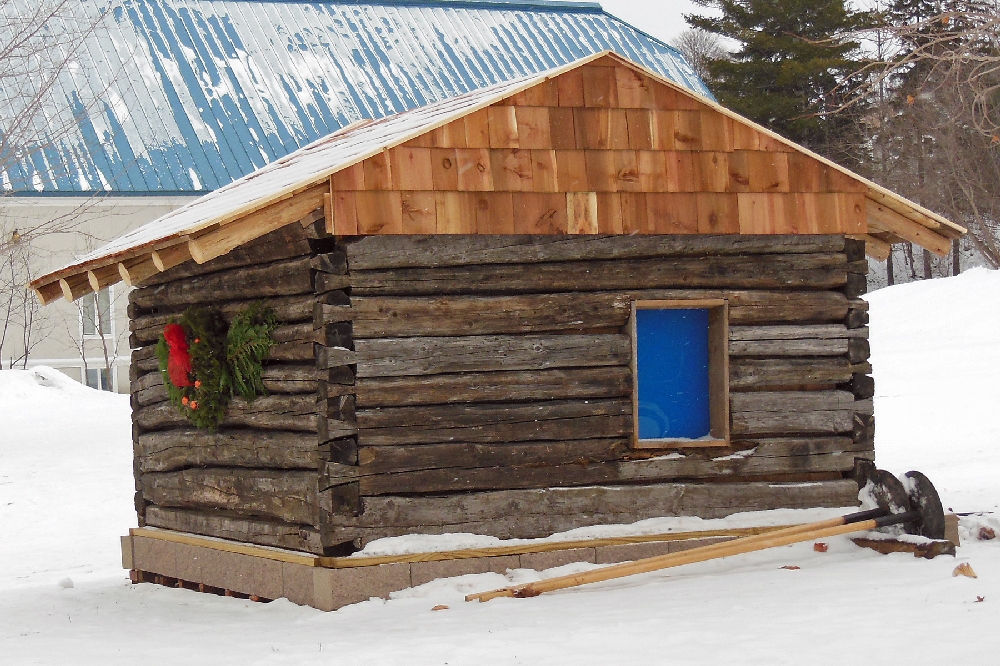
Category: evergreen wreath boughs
[205,362]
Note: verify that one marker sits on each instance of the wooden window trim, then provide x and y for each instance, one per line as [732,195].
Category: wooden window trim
[718,373]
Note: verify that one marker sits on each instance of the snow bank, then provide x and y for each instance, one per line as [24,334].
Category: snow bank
[936,359]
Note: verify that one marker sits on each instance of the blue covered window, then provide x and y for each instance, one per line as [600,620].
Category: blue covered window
[680,374]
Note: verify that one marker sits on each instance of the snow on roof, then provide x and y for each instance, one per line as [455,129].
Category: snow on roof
[185,96]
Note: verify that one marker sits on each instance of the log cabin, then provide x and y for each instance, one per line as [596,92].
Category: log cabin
[580,297]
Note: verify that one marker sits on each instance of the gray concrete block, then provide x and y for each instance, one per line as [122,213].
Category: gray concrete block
[335,588]
[557,558]
[504,563]
[424,572]
[297,583]
[688,544]
[154,556]
[631,551]
[188,560]
[127,552]
[265,578]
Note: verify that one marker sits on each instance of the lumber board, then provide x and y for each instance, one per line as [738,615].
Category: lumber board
[538,513]
[281,278]
[288,496]
[604,382]
[271,412]
[170,450]
[518,422]
[229,525]
[393,357]
[225,546]
[478,315]
[811,271]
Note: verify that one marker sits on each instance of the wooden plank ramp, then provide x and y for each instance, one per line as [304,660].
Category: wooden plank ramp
[293,557]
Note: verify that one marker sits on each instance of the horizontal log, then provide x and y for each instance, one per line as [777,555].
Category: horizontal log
[281,278]
[324,282]
[816,332]
[789,271]
[289,241]
[236,527]
[792,413]
[495,386]
[288,496]
[464,455]
[520,422]
[757,373]
[538,513]
[375,252]
[171,450]
[477,315]
[330,262]
[148,327]
[778,348]
[149,387]
[762,307]
[270,412]
[755,457]
[393,357]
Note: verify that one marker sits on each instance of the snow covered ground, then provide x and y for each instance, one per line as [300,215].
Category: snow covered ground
[66,496]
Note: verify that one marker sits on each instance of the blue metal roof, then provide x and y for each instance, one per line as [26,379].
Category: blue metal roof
[193,94]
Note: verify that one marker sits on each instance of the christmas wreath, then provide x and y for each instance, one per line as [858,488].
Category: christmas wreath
[205,362]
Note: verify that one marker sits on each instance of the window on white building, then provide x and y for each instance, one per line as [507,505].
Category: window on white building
[99,379]
[92,306]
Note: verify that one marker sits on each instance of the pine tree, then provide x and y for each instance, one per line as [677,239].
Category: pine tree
[793,64]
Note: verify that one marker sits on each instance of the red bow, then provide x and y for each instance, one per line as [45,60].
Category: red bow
[179,360]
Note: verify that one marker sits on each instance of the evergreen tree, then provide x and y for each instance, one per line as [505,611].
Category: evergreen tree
[793,65]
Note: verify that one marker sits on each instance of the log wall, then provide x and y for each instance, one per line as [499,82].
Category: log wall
[482,383]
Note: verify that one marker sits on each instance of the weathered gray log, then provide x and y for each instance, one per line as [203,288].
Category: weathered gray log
[787,271]
[759,457]
[324,282]
[334,357]
[149,388]
[375,252]
[281,278]
[792,413]
[518,422]
[270,412]
[859,350]
[778,348]
[756,373]
[232,526]
[761,307]
[289,241]
[484,478]
[288,496]
[331,262]
[537,513]
[472,315]
[857,316]
[496,386]
[464,455]
[857,284]
[147,328]
[862,385]
[393,357]
[795,332]
[171,450]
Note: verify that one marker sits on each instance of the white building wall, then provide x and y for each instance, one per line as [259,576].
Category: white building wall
[81,224]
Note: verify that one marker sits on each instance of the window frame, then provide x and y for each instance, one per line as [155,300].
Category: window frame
[718,372]
[95,299]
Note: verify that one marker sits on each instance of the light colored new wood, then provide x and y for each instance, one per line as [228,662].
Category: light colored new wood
[225,546]
[168,257]
[133,272]
[883,218]
[99,278]
[50,292]
[739,546]
[874,247]
[75,286]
